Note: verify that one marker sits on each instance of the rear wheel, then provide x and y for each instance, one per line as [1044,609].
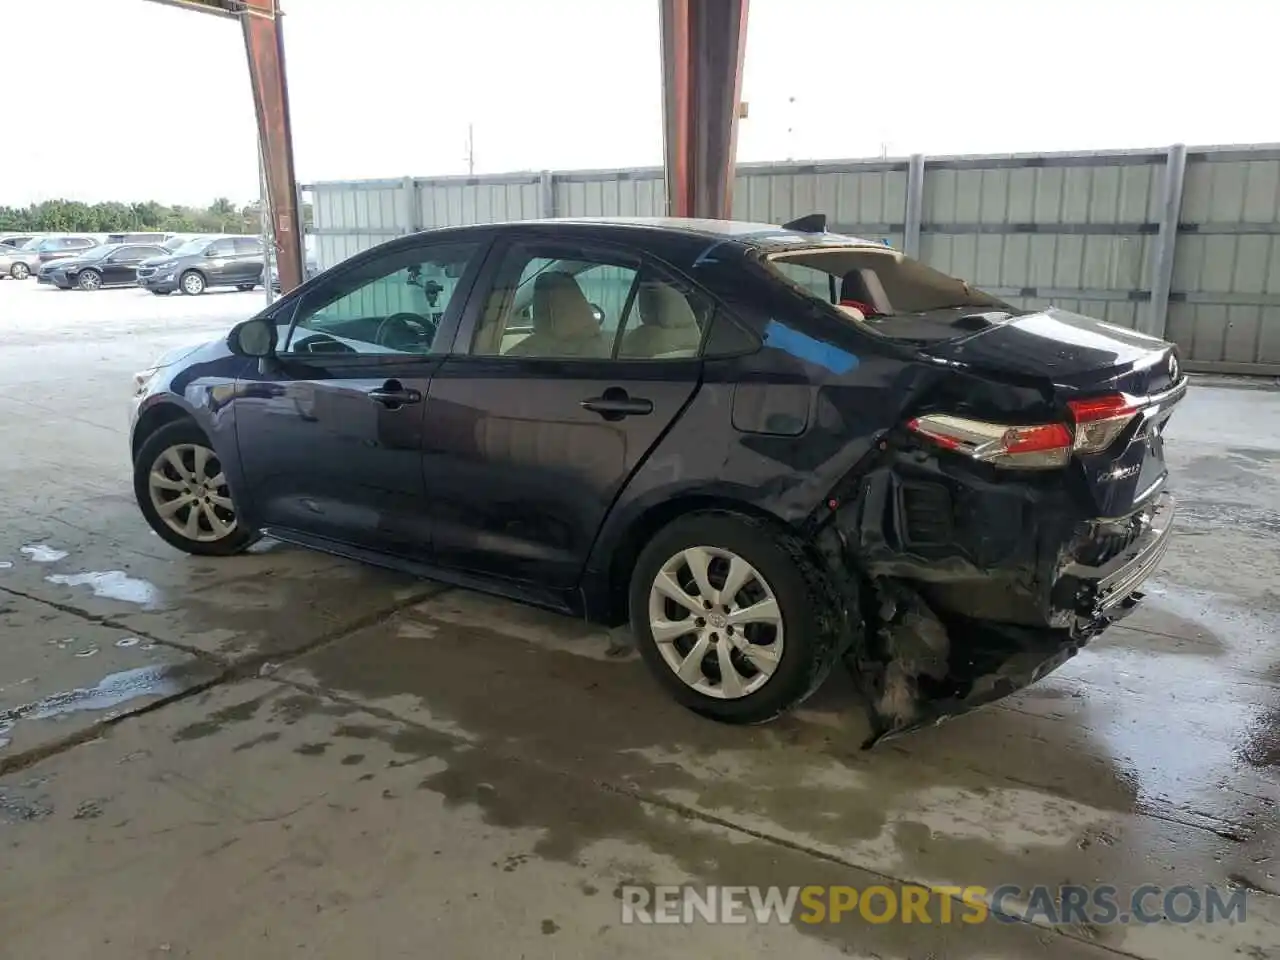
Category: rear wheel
[182,490]
[19,271]
[89,280]
[192,283]
[730,614]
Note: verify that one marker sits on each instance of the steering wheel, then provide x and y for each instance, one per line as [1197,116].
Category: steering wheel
[402,331]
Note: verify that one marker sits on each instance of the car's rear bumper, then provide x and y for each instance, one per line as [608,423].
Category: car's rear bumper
[982,584]
[1099,589]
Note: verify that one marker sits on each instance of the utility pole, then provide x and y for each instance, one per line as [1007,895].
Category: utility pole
[471,150]
[270,261]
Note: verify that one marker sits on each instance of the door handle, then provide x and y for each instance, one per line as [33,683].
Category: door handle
[614,404]
[393,394]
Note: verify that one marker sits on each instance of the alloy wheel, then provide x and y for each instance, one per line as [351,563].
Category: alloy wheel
[716,622]
[89,280]
[20,271]
[189,492]
[193,284]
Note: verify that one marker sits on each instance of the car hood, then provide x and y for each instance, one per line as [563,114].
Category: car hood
[191,353]
[1063,347]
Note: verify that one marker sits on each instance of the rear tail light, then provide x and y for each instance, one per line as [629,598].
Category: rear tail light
[1097,424]
[1100,420]
[1037,447]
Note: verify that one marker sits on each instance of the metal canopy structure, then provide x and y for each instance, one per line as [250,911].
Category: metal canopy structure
[703,43]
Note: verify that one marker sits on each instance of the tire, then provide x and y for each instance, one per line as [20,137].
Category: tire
[244,287]
[89,280]
[19,271]
[781,566]
[161,293]
[192,283]
[182,440]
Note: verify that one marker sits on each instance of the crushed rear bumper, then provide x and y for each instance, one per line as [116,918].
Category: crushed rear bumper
[982,591]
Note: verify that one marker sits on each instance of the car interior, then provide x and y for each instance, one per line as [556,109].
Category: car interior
[582,309]
[870,282]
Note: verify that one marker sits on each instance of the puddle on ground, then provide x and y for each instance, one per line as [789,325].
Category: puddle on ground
[111,585]
[43,553]
[110,691]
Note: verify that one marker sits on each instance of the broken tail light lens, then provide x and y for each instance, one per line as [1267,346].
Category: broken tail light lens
[1036,447]
[1099,420]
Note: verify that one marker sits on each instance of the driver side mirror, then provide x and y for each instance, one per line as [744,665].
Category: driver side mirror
[211,252]
[252,338]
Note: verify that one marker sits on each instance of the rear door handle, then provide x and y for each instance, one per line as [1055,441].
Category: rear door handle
[615,404]
[393,394]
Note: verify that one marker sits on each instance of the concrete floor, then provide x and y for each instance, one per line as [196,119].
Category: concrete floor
[285,752]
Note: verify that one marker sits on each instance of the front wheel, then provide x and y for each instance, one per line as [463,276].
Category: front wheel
[19,271]
[89,280]
[732,617]
[192,283]
[182,490]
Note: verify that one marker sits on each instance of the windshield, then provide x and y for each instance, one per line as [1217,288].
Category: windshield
[878,282]
[33,243]
[191,248]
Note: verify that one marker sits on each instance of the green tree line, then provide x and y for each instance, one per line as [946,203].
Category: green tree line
[72,216]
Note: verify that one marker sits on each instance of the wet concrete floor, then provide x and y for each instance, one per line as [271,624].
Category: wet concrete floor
[286,752]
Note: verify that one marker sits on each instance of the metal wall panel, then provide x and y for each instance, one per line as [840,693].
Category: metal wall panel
[637,193]
[1080,231]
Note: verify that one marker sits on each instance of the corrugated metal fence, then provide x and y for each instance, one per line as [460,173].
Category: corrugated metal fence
[1183,243]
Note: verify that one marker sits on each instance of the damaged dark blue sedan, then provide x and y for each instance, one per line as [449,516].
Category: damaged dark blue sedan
[768,448]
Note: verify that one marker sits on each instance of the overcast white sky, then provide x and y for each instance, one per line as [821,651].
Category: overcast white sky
[130,100]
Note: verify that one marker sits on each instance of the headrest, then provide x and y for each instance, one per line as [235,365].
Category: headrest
[561,310]
[854,287]
[662,305]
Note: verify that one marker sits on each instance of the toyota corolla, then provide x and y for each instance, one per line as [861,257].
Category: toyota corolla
[767,448]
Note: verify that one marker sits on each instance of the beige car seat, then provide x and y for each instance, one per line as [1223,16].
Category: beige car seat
[667,324]
[564,324]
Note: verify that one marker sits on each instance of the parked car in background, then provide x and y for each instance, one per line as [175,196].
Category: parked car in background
[771,449]
[197,265]
[110,265]
[137,237]
[17,262]
[27,259]
[310,267]
[16,240]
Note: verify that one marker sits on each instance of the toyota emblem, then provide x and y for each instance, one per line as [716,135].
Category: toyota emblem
[1173,368]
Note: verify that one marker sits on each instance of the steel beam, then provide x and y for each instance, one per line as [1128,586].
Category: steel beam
[264,44]
[703,43]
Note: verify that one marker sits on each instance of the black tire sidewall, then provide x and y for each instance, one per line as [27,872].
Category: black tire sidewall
[808,652]
[181,431]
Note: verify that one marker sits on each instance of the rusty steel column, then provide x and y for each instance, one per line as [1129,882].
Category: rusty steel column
[703,42]
[264,43]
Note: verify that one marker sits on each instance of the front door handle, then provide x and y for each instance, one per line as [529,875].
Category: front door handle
[393,394]
[615,403]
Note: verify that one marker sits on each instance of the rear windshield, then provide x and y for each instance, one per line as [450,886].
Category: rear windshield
[876,283]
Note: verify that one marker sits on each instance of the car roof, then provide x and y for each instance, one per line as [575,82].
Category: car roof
[765,237]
